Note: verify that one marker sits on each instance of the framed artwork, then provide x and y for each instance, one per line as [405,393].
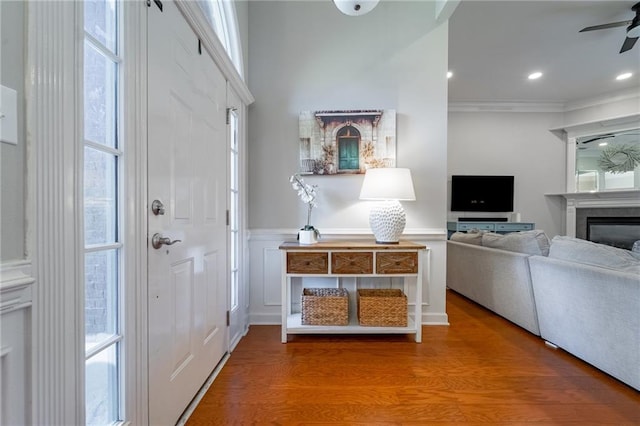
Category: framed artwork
[342,142]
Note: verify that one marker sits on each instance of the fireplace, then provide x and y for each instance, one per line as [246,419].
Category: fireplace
[619,232]
[608,204]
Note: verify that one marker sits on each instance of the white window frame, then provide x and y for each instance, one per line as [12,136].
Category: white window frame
[221,14]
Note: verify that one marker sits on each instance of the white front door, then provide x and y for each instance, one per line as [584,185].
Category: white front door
[187,169]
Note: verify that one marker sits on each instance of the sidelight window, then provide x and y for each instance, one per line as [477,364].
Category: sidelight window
[102,179]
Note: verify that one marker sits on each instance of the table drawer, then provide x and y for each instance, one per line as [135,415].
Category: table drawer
[397,263]
[352,262]
[307,263]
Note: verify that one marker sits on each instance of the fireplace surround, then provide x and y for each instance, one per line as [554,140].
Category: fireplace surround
[611,204]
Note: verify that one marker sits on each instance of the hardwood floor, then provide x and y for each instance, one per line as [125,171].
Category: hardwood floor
[479,370]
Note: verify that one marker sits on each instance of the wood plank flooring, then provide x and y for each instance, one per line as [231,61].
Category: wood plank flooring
[480,370]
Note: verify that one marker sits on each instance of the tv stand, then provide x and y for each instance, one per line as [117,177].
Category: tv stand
[500,227]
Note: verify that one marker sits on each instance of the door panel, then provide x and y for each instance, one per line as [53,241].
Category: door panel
[180,315]
[187,172]
[349,155]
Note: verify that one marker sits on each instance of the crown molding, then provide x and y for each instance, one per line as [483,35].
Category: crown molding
[501,106]
[525,106]
[609,98]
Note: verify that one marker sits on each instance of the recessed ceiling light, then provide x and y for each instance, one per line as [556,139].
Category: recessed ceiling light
[449,74]
[535,75]
[603,144]
[624,76]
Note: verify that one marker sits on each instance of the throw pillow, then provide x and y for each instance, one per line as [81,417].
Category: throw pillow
[590,253]
[527,242]
[467,237]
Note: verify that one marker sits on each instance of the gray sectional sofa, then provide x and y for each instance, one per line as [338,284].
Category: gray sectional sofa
[497,279]
[580,296]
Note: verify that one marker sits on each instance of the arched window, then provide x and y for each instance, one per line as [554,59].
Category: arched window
[222,17]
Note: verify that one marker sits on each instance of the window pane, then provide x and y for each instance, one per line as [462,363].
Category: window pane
[100,21]
[101,296]
[100,206]
[101,390]
[99,97]
[233,173]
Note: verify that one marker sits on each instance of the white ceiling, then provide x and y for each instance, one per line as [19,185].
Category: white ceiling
[494,45]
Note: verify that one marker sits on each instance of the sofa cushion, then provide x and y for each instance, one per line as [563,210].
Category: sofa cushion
[527,242]
[471,237]
[590,253]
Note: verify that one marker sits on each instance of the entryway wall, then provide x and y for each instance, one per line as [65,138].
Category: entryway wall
[307,56]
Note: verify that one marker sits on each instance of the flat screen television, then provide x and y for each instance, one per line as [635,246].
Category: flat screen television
[481,193]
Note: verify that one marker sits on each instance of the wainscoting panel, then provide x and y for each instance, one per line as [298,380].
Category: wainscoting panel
[272,277]
[15,343]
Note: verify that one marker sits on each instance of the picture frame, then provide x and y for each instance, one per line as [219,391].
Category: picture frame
[346,141]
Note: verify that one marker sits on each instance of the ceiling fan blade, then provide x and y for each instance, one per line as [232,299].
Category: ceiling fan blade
[605,26]
[628,44]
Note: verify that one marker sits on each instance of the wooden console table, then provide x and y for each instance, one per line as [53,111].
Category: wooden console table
[351,259]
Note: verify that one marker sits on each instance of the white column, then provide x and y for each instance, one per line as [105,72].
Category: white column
[53,167]
[135,361]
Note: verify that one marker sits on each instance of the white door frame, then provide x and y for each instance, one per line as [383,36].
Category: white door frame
[135,131]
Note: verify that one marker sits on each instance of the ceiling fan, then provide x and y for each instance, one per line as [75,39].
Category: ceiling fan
[633,28]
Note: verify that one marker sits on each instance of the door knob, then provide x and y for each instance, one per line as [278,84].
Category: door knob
[157,207]
[158,241]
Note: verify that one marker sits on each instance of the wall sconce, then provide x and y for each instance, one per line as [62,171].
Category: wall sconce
[389,186]
[355,7]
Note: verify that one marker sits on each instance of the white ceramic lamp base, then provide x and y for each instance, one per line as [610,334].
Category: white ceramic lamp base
[387,220]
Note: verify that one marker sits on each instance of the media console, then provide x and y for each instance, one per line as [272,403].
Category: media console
[498,227]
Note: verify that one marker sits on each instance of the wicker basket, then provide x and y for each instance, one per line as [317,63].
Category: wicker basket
[382,307]
[325,306]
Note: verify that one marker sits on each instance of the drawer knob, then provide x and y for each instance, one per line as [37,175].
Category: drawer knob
[397,263]
[352,263]
[307,263]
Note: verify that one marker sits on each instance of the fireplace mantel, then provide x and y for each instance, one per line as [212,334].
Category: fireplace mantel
[628,198]
[603,199]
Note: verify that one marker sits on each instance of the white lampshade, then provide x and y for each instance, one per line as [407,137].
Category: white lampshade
[355,7]
[387,185]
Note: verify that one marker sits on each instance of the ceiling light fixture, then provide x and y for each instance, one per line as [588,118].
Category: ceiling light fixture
[603,144]
[449,74]
[624,76]
[535,75]
[355,7]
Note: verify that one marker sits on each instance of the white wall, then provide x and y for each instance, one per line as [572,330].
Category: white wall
[12,157]
[308,56]
[518,144]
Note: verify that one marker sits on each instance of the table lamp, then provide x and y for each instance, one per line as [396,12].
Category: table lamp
[389,186]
